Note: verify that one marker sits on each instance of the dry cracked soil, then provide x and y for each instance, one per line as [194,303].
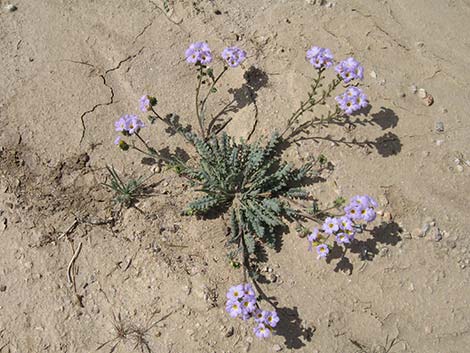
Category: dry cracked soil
[147,278]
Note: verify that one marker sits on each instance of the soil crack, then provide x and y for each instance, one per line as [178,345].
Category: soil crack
[103,77]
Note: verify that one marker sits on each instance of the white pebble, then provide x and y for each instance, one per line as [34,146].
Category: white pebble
[11,8]
[373,74]
[422,93]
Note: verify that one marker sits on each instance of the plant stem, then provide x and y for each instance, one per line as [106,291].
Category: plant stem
[311,102]
[198,112]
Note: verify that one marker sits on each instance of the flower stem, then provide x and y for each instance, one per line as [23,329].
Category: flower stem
[198,112]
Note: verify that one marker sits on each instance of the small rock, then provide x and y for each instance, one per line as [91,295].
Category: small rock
[444,110]
[439,142]
[422,93]
[229,332]
[156,169]
[428,100]
[373,74]
[11,8]
[417,233]
[413,89]
[158,334]
[277,348]
[439,127]
[437,234]
[387,217]
[411,287]
[407,235]
[419,44]
[459,168]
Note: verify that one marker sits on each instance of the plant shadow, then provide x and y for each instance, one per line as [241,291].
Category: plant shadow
[387,145]
[245,95]
[383,234]
[294,330]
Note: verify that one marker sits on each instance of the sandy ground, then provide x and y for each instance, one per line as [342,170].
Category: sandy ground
[66,62]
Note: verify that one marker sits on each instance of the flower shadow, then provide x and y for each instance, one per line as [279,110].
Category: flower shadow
[384,234]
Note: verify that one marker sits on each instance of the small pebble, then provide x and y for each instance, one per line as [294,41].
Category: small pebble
[439,127]
[373,74]
[229,332]
[11,8]
[439,142]
[387,217]
[459,168]
[428,100]
[437,234]
[277,348]
[422,93]
[413,89]
[419,44]
[417,233]
[156,169]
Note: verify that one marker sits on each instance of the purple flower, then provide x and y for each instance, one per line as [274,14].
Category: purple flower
[322,250]
[146,103]
[129,124]
[117,140]
[372,202]
[331,225]
[233,56]
[351,234]
[350,69]
[235,292]
[364,201]
[121,124]
[260,315]
[345,223]
[198,52]
[369,215]
[353,211]
[352,100]
[249,304]
[272,318]
[342,238]
[248,290]
[261,331]
[311,238]
[320,57]
[234,308]
[134,124]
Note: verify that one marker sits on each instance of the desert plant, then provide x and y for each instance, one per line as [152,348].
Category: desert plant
[126,191]
[251,181]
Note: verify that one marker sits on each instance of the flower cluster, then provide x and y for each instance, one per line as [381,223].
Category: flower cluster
[350,69]
[352,100]
[233,56]
[320,58]
[360,208]
[146,103]
[241,302]
[200,53]
[128,124]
